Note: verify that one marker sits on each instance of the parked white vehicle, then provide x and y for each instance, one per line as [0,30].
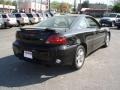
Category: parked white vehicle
[1,22]
[22,18]
[33,18]
[9,20]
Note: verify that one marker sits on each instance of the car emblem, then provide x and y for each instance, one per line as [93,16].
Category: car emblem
[41,39]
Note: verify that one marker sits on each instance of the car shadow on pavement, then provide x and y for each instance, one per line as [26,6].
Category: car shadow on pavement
[16,73]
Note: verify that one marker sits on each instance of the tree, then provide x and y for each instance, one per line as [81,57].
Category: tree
[55,5]
[8,2]
[116,8]
[65,7]
[85,4]
[14,3]
[2,1]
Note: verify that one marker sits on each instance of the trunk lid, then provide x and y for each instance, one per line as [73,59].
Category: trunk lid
[34,36]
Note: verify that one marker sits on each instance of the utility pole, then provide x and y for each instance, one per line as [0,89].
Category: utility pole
[49,5]
[35,5]
[41,5]
[80,6]
[3,5]
[74,6]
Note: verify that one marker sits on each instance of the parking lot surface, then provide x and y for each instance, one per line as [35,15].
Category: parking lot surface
[101,70]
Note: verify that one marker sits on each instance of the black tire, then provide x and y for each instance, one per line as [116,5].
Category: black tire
[107,40]
[18,23]
[118,27]
[5,25]
[79,59]
[112,24]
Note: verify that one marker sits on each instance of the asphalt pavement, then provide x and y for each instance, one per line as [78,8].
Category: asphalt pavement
[101,70]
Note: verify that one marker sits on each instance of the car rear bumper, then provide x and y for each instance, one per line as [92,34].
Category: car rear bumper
[117,24]
[45,55]
[11,24]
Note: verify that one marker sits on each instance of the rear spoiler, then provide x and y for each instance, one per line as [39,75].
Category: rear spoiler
[38,28]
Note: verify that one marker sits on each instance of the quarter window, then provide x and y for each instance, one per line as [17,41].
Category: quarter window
[92,23]
[118,16]
[81,24]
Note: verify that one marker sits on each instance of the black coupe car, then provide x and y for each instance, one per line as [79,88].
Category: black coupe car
[61,40]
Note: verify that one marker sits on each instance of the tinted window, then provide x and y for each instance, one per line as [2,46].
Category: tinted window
[81,23]
[24,15]
[4,16]
[11,15]
[58,22]
[92,23]
[118,16]
[29,15]
[17,15]
[34,15]
[112,15]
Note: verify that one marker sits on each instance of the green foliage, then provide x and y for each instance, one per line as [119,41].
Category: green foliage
[55,5]
[8,2]
[14,3]
[62,7]
[85,4]
[2,1]
[116,8]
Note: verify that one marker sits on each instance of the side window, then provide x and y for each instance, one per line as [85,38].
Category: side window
[118,16]
[81,24]
[92,23]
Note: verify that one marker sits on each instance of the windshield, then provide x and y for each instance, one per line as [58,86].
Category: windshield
[57,22]
[29,15]
[11,15]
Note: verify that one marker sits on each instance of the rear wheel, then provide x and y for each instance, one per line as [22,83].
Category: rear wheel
[118,27]
[79,57]
[107,40]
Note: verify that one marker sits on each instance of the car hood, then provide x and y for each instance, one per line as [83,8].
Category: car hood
[108,18]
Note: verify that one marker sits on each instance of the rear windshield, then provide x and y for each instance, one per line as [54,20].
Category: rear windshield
[24,15]
[17,15]
[11,15]
[57,22]
[34,15]
[29,15]
[4,16]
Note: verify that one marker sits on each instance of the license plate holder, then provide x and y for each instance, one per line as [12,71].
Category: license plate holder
[28,54]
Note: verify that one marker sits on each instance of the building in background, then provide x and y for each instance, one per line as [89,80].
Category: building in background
[96,10]
[6,8]
[32,5]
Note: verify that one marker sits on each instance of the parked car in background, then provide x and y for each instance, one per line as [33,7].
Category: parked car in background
[1,22]
[109,20]
[9,20]
[61,40]
[33,18]
[117,22]
[22,18]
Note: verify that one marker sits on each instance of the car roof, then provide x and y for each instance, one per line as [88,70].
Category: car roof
[77,15]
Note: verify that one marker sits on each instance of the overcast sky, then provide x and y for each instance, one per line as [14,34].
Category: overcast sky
[91,1]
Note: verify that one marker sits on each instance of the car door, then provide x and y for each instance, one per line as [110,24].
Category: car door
[86,34]
[99,33]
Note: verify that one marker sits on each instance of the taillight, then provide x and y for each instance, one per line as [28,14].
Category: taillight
[8,19]
[33,18]
[22,19]
[57,39]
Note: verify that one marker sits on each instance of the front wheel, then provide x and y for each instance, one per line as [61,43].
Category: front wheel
[79,57]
